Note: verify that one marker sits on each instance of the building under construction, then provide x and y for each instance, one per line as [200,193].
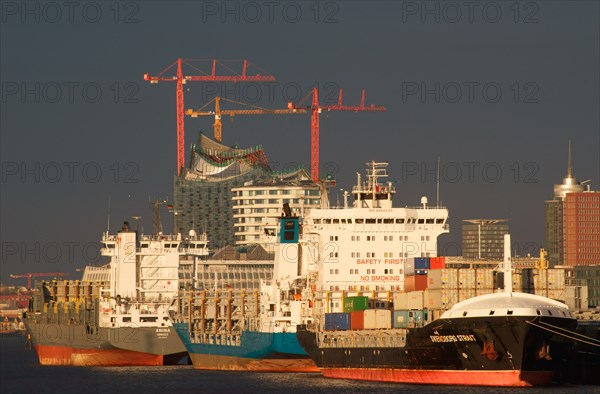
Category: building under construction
[202,192]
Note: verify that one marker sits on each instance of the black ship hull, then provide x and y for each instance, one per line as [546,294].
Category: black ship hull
[489,351]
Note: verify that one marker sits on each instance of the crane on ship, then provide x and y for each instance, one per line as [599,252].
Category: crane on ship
[218,113]
[316,109]
[201,76]
[30,275]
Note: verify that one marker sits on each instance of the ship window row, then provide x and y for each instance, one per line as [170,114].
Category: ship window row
[365,288]
[333,254]
[334,271]
[379,221]
[385,254]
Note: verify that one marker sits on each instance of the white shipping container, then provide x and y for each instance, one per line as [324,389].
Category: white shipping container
[484,277]
[432,299]
[466,277]
[449,297]
[466,293]
[517,281]
[557,294]
[449,278]
[434,279]
[400,301]
[484,290]
[415,300]
[377,319]
[409,266]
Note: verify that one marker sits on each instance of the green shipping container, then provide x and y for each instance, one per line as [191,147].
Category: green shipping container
[354,304]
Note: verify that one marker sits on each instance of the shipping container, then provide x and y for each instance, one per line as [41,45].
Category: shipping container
[377,319]
[415,282]
[380,304]
[485,278]
[421,263]
[484,290]
[337,321]
[409,266]
[400,300]
[358,303]
[557,294]
[415,300]
[432,299]
[405,318]
[357,320]
[402,318]
[467,277]
[434,279]
[437,263]
[450,278]
[466,293]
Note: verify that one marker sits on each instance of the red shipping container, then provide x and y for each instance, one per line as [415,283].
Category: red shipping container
[357,320]
[415,282]
[437,263]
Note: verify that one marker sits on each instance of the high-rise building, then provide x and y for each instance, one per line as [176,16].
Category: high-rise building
[258,204]
[555,215]
[202,192]
[582,229]
[483,239]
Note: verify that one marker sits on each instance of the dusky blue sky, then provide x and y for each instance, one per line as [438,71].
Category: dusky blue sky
[495,89]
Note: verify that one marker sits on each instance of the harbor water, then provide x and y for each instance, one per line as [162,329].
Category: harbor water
[20,372]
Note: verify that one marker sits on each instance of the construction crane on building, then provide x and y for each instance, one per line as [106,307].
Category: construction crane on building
[316,110]
[203,76]
[30,275]
[218,113]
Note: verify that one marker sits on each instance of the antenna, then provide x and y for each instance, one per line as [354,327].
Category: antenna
[570,166]
[437,183]
[108,216]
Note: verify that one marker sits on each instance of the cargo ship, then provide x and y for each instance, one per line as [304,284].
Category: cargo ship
[252,330]
[318,253]
[123,318]
[499,339]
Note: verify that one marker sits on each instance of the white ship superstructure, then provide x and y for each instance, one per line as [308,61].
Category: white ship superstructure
[144,275]
[366,246]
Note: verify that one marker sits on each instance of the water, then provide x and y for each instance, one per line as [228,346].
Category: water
[20,372]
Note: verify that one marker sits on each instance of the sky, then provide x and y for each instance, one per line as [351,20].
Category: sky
[494,89]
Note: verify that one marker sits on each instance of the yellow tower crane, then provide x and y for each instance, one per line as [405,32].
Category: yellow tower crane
[218,113]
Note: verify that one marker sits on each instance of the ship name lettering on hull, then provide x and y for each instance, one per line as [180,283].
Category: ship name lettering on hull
[452,338]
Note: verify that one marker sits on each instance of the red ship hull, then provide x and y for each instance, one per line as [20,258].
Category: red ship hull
[61,355]
[467,378]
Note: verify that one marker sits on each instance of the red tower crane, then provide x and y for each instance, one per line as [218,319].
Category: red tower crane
[30,275]
[181,79]
[316,110]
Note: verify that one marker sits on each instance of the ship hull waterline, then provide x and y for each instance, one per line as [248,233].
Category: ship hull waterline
[257,352]
[464,378]
[71,345]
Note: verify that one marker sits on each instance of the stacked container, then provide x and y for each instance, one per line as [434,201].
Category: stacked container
[337,321]
[437,263]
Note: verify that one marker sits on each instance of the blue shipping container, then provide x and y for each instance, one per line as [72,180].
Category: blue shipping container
[337,321]
[421,263]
